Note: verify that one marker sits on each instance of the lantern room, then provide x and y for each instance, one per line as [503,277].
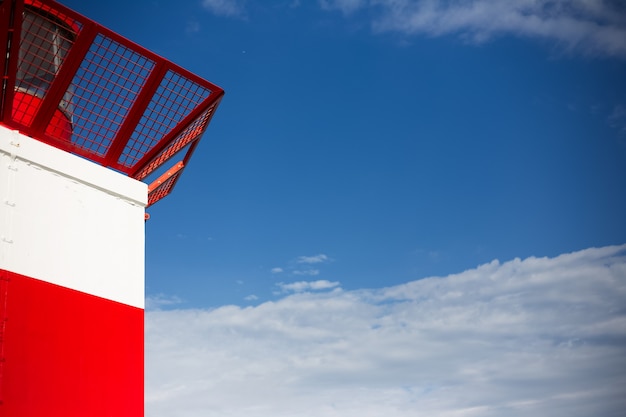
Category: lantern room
[44,42]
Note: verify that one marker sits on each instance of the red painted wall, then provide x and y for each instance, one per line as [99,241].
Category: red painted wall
[66,353]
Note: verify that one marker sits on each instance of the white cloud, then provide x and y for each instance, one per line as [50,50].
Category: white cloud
[592,26]
[312,259]
[277,270]
[309,272]
[251,297]
[230,8]
[157,301]
[307,285]
[540,336]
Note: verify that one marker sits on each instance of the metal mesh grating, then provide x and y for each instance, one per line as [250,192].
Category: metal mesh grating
[163,189]
[105,87]
[191,133]
[175,98]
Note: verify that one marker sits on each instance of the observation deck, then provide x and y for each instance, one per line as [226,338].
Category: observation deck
[71,83]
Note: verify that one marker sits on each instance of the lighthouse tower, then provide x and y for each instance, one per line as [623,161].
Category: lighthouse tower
[93,129]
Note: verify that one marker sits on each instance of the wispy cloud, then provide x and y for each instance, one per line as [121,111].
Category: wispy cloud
[540,336]
[158,301]
[590,26]
[346,6]
[309,272]
[312,259]
[192,27]
[303,265]
[302,286]
[229,8]
[617,119]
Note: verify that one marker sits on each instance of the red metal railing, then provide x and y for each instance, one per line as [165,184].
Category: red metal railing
[71,83]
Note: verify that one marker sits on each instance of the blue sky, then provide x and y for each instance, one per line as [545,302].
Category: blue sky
[365,146]
[397,151]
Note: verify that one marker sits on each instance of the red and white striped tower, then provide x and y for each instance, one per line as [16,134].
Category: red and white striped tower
[87,120]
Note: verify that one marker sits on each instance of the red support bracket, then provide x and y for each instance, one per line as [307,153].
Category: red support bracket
[165,177]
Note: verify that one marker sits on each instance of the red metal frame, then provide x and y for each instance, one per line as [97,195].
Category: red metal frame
[110,100]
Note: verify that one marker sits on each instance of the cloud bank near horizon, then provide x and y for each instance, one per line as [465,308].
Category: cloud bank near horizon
[539,336]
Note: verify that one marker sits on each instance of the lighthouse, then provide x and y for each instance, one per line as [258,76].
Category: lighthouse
[93,130]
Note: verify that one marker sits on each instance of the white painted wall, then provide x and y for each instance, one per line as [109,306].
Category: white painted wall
[70,222]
